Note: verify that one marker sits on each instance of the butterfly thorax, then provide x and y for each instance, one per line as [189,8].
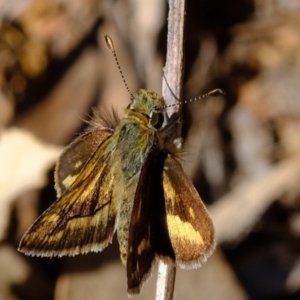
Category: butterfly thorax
[137,139]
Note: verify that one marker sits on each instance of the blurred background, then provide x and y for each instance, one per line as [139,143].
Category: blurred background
[241,150]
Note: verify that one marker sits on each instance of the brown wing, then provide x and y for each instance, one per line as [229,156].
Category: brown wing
[83,218]
[75,156]
[189,224]
[148,237]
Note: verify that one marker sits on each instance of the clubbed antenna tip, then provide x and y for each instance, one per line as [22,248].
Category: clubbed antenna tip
[110,45]
[213,93]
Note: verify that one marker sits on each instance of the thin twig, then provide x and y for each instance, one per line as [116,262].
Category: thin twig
[165,281]
[171,91]
[173,70]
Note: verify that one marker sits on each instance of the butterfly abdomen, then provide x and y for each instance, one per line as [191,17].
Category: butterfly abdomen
[132,158]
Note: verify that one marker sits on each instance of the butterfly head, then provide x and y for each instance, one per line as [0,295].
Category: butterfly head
[149,104]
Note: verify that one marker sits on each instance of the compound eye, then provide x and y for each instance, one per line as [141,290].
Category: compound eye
[156,119]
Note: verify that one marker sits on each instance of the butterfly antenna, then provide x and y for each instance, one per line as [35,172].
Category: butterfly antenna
[110,45]
[213,93]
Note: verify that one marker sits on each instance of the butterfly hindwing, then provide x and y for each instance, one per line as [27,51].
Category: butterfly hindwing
[76,155]
[189,225]
[83,218]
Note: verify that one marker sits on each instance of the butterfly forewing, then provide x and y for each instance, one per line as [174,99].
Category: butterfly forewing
[189,224]
[83,218]
[148,237]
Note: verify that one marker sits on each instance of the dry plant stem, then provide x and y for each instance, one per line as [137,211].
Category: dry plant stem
[165,281]
[173,70]
[171,91]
